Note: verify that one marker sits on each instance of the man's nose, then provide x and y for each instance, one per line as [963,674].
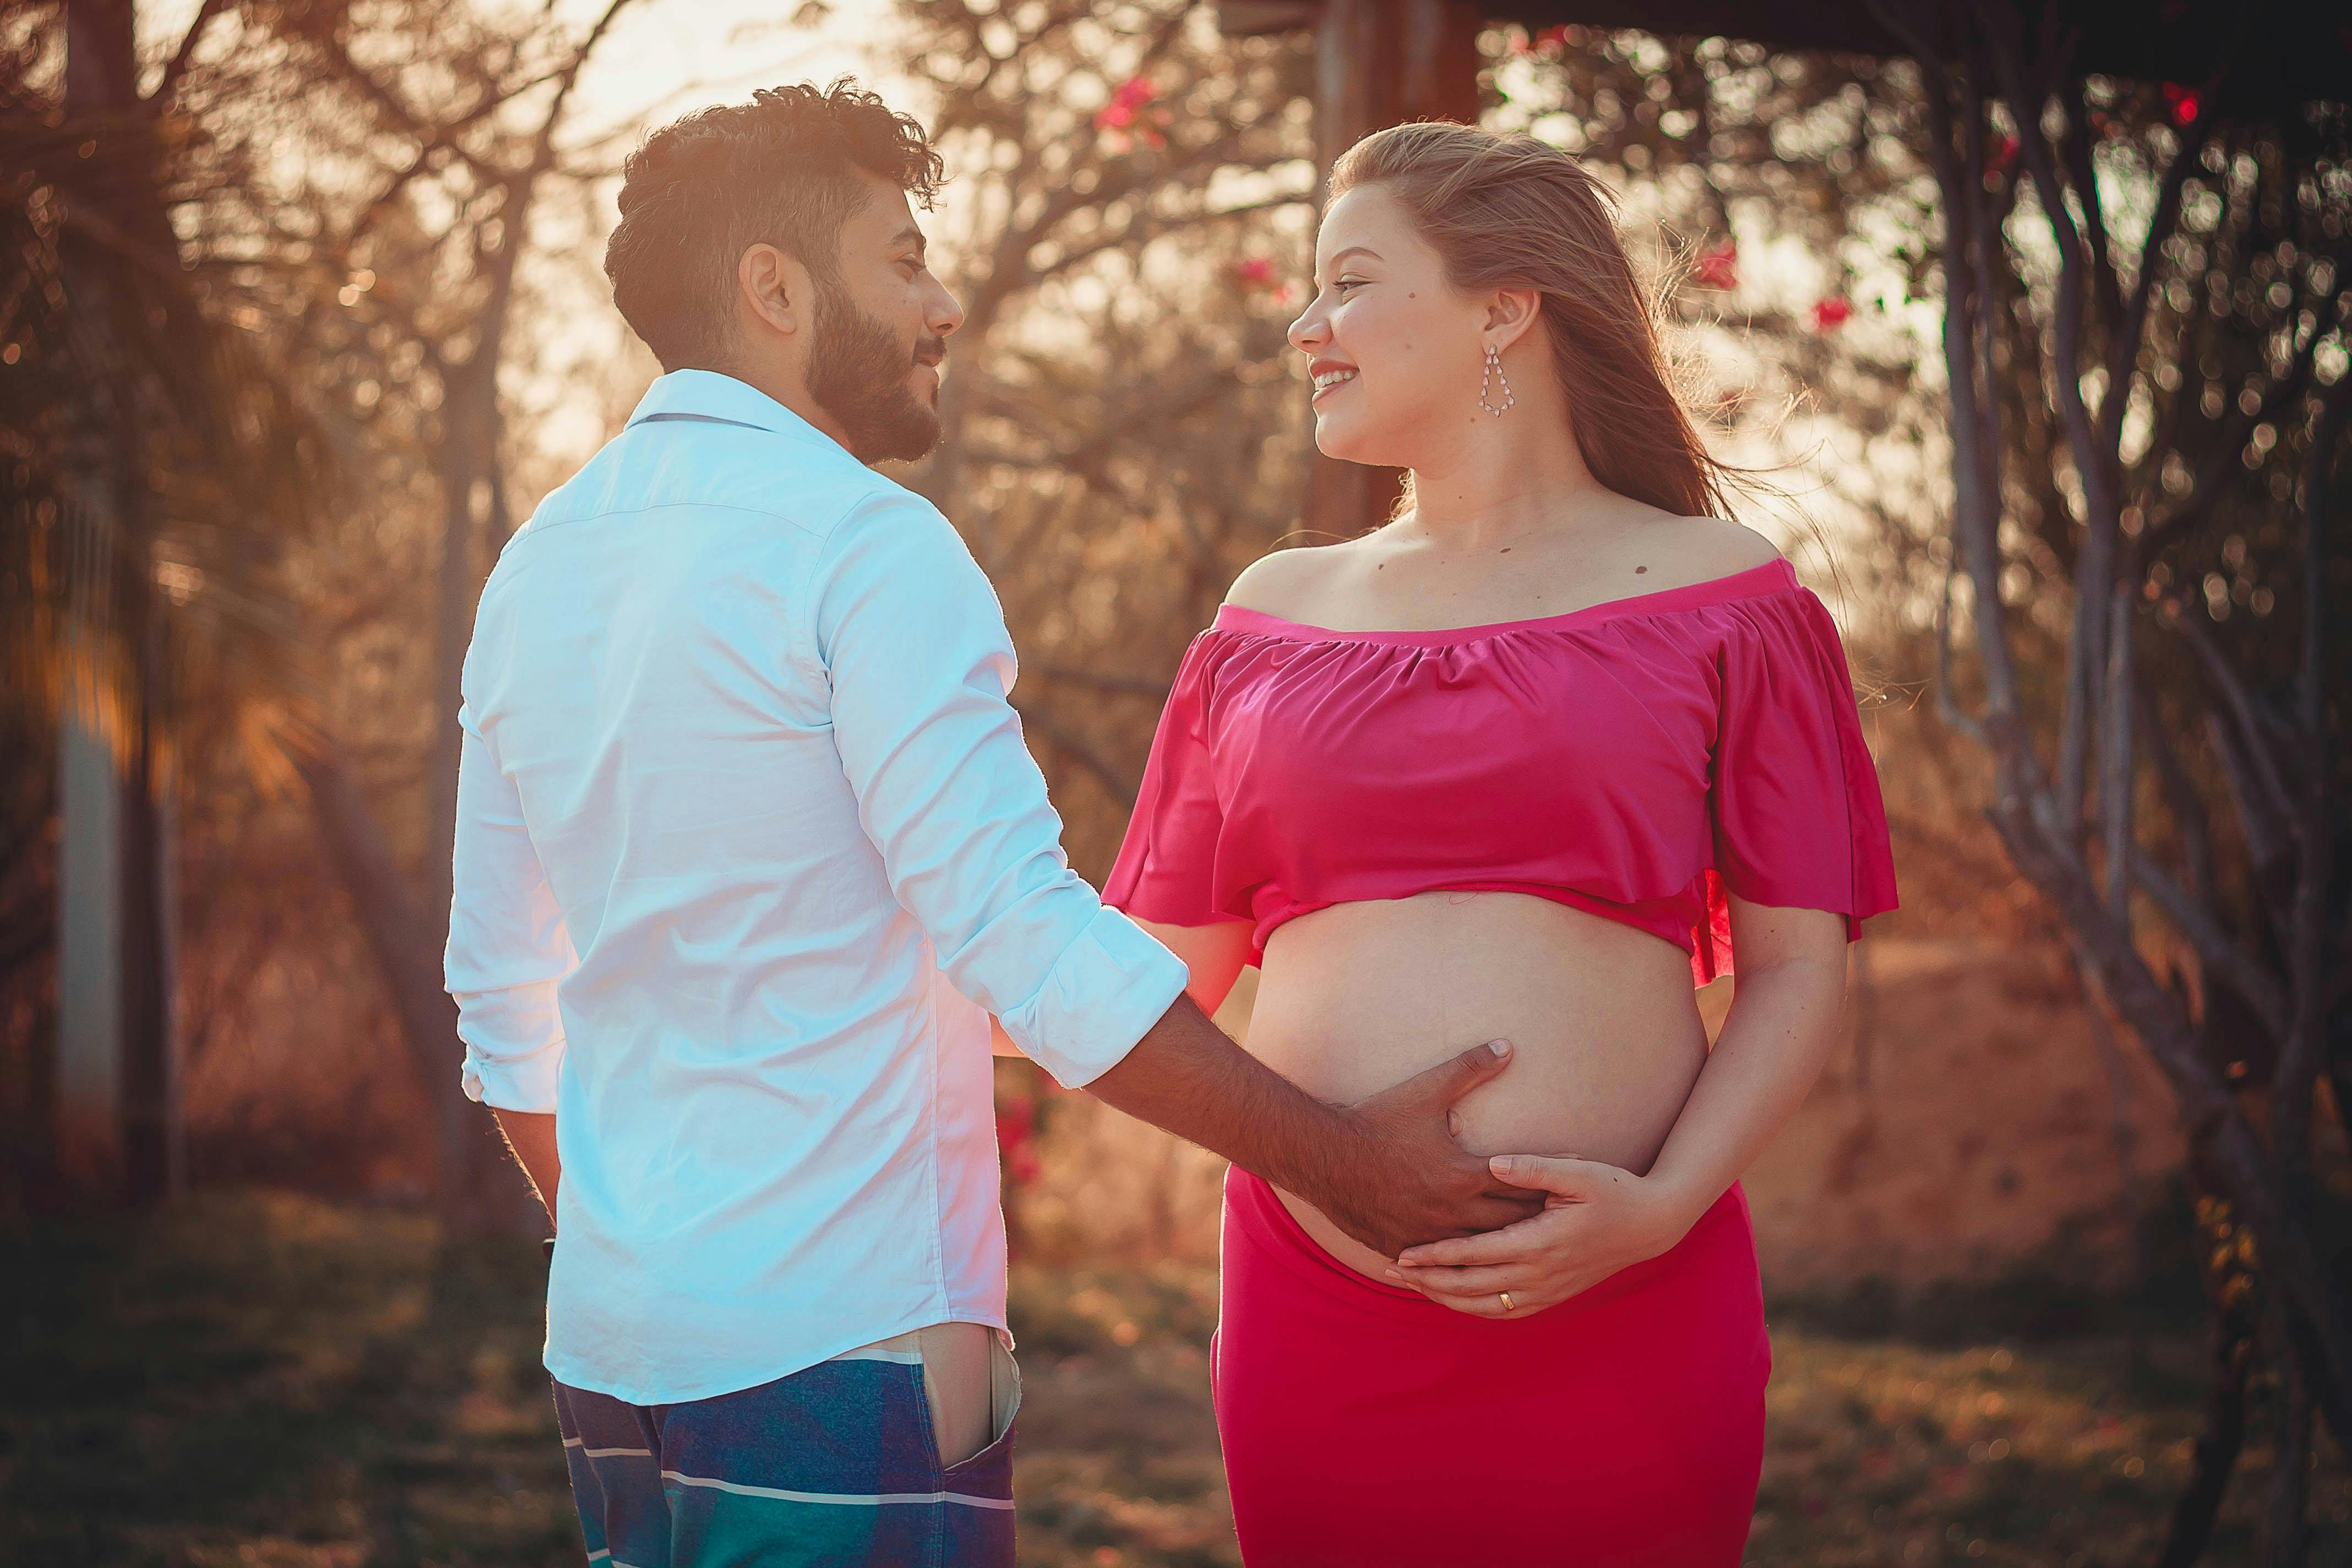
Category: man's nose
[944,313]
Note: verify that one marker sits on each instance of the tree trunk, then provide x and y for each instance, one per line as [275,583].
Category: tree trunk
[1379,63]
[477,1188]
[2216,1450]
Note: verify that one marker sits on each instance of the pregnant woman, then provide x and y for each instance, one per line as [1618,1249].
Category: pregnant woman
[1527,762]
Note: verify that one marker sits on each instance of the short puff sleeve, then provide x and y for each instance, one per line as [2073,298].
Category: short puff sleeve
[1794,801]
[1167,865]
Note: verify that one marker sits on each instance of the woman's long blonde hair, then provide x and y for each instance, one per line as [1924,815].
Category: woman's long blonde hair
[1505,210]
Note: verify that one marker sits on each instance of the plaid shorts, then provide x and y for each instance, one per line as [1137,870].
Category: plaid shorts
[835,1465]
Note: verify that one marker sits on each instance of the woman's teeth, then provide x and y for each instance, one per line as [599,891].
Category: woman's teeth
[1332,378]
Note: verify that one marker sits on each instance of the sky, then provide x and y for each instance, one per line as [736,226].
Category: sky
[663,58]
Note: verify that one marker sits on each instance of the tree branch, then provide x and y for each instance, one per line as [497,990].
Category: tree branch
[2215,949]
[2132,326]
[168,86]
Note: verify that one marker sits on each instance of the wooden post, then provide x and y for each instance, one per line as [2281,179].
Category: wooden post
[1380,63]
[117,1073]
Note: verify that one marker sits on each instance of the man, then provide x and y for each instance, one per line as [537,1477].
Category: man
[749,852]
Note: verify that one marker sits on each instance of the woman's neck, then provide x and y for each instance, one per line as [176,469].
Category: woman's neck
[1505,477]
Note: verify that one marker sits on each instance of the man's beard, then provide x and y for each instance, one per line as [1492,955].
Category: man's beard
[858,373]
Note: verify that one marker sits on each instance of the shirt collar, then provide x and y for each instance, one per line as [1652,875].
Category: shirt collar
[713,395]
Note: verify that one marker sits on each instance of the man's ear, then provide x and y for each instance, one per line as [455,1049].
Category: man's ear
[775,288]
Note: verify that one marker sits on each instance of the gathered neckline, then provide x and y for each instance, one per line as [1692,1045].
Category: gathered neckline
[1752,582]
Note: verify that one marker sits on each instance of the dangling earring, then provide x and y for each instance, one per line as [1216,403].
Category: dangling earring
[1494,371]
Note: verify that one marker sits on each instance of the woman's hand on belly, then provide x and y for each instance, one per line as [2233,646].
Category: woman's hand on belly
[1600,1218]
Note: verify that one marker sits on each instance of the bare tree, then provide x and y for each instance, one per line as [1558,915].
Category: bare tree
[1121,432]
[2185,401]
[266,323]
[154,464]
[437,132]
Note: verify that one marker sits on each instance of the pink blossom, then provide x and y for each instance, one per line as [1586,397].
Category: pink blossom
[1832,313]
[1016,1136]
[1125,112]
[1717,267]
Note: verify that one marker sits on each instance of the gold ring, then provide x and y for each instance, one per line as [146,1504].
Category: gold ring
[1506,1296]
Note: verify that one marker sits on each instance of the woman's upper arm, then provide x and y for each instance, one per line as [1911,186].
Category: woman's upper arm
[1767,936]
[1214,953]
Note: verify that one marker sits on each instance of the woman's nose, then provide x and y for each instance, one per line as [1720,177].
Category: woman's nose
[1307,331]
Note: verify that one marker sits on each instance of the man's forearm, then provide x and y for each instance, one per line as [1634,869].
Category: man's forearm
[531,1137]
[1385,1170]
[1188,1076]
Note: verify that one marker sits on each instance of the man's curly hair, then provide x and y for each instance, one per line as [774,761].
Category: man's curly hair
[780,170]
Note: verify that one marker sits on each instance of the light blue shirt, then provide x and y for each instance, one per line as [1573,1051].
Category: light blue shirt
[749,848]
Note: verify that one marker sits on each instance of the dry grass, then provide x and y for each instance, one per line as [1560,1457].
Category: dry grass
[259,1379]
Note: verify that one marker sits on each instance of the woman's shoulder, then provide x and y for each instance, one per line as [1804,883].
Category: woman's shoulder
[1707,548]
[1286,582]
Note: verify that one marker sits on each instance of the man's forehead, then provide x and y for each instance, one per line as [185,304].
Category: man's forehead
[886,214]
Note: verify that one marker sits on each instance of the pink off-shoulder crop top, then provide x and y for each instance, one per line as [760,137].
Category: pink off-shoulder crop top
[1635,759]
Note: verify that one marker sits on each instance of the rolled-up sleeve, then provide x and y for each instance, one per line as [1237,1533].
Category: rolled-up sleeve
[509,947]
[912,642]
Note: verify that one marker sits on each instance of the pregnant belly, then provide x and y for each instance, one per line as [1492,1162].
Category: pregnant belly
[1605,1031]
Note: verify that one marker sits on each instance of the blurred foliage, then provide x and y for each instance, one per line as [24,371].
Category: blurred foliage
[270,300]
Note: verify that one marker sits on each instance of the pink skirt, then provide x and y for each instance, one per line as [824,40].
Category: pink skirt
[1364,1424]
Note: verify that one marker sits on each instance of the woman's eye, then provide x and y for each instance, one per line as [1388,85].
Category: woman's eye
[1347,283]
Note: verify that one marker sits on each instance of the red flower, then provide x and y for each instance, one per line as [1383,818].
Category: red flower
[1256,272]
[1717,268]
[2183,101]
[1016,1141]
[1127,101]
[2003,152]
[1832,313]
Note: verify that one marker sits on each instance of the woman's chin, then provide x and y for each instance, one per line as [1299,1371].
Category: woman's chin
[1343,440]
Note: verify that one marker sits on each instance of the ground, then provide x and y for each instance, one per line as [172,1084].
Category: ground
[256,1379]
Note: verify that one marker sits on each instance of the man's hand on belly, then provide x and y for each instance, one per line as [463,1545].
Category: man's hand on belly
[1417,1182]
[1386,1170]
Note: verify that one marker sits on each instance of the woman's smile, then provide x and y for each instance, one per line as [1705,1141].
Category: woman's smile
[1330,377]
